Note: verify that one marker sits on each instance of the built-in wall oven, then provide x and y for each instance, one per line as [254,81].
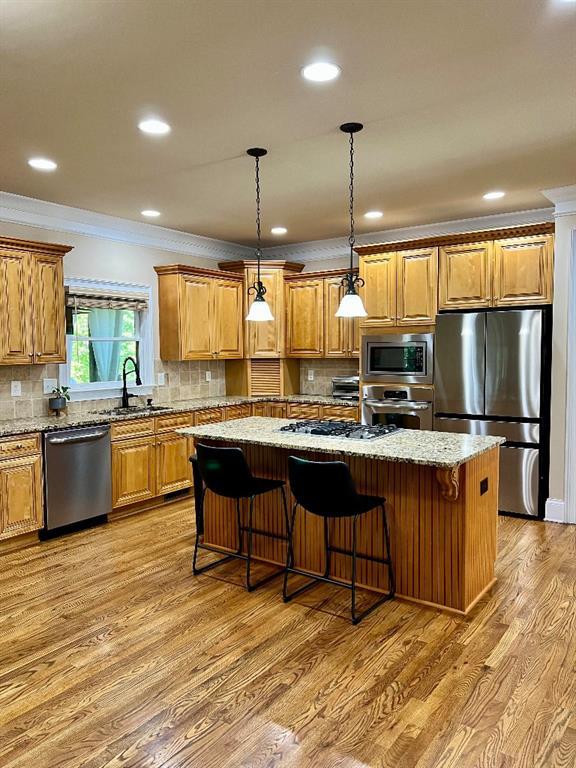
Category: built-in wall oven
[406,407]
[400,359]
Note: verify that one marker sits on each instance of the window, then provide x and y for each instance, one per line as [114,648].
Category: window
[105,324]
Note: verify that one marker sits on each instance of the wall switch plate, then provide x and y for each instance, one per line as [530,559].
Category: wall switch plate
[208,375]
[49,385]
[311,374]
[16,388]
[161,379]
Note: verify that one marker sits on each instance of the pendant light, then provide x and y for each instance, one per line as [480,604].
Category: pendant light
[351,304]
[259,309]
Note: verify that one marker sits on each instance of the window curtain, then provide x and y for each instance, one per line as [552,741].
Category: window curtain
[106,323]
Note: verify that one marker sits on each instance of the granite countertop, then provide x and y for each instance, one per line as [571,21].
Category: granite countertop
[51,423]
[437,449]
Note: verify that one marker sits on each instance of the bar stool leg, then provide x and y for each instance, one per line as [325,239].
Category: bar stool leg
[391,577]
[355,619]
[240,529]
[289,554]
[327,548]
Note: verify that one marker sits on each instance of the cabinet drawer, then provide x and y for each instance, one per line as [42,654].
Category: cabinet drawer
[237,411]
[137,428]
[172,422]
[340,413]
[304,411]
[23,445]
[208,415]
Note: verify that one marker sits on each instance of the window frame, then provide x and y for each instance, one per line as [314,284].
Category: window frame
[100,390]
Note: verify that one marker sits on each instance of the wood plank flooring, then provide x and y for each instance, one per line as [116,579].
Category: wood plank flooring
[113,655]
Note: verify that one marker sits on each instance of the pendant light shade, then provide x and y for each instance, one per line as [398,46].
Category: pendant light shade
[259,310]
[351,304]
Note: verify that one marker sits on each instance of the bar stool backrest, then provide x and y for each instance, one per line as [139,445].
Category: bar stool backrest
[224,471]
[325,488]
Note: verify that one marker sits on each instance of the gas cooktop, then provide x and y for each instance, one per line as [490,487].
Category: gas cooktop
[348,430]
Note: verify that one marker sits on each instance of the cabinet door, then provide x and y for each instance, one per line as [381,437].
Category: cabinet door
[276,410]
[133,471]
[523,270]
[227,320]
[173,468]
[305,316]
[49,311]
[195,318]
[378,270]
[465,275]
[16,344]
[340,412]
[266,339]
[417,286]
[336,329]
[260,409]
[20,496]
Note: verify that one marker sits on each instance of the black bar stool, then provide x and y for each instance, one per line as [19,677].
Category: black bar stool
[326,489]
[225,472]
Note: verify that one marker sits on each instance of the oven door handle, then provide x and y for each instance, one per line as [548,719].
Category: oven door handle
[398,406]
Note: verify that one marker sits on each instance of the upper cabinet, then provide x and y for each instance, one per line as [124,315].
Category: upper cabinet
[267,339]
[465,275]
[201,313]
[341,334]
[504,272]
[400,287]
[305,317]
[523,270]
[32,306]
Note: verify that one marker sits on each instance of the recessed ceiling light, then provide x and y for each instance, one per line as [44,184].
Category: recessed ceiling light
[373,215]
[42,164]
[278,230]
[150,213]
[321,72]
[496,195]
[154,127]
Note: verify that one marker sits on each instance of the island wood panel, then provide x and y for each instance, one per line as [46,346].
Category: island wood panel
[443,551]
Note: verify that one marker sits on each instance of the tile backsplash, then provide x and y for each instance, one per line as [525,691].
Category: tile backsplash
[184,380]
[324,371]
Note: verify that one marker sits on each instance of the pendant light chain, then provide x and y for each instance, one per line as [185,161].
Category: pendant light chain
[259,309]
[351,238]
[258,227]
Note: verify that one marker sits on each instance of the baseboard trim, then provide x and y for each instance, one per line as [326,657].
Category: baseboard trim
[555,511]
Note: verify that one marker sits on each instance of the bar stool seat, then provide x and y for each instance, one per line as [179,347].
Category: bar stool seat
[225,472]
[326,489]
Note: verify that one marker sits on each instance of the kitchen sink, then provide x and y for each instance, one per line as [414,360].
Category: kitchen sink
[136,409]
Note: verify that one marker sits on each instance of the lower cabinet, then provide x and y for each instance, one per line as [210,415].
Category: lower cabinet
[302,411]
[340,412]
[273,410]
[133,470]
[21,509]
[173,471]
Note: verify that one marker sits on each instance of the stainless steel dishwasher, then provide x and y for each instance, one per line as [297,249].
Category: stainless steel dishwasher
[78,475]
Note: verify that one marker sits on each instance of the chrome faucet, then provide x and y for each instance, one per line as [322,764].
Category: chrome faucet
[125,394]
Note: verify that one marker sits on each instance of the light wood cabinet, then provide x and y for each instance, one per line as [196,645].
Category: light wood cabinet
[21,509]
[340,412]
[173,468]
[523,271]
[378,270]
[305,317]
[200,313]
[416,286]
[133,471]
[341,334]
[465,275]
[400,287]
[32,313]
[302,411]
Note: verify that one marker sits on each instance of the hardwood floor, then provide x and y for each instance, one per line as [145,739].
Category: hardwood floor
[113,654]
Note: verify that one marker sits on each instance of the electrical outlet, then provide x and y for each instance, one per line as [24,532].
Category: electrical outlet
[16,388]
[208,375]
[161,379]
[49,385]
[311,374]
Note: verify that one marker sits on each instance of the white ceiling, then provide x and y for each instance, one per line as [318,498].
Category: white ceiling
[457,96]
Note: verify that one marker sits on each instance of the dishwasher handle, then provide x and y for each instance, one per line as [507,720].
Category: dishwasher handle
[86,438]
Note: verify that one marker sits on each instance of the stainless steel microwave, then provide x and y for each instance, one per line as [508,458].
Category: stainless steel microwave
[406,358]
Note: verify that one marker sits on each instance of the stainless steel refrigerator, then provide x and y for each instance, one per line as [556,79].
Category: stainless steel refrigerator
[492,377]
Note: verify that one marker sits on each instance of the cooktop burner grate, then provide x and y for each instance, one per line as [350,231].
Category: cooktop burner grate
[348,430]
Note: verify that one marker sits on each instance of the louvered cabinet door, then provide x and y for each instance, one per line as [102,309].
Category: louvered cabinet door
[265,377]
[16,340]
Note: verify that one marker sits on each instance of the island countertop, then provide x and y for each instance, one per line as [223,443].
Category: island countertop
[444,450]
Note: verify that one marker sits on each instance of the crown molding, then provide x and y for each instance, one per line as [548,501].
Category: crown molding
[564,199]
[319,250]
[18,209]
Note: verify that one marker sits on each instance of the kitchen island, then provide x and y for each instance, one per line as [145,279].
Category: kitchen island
[441,491]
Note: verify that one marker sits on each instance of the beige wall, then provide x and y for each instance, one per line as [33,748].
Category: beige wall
[565,227]
[324,371]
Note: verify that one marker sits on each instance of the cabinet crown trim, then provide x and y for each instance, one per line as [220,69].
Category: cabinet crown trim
[185,269]
[34,246]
